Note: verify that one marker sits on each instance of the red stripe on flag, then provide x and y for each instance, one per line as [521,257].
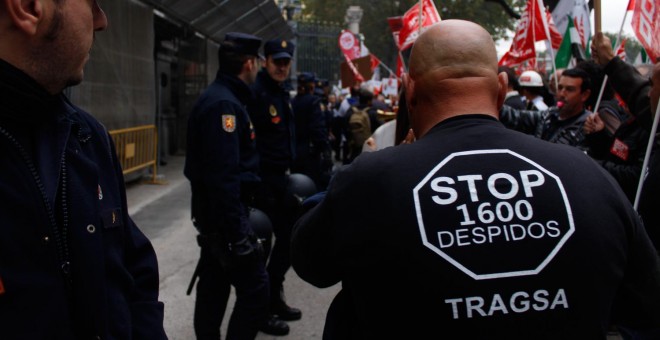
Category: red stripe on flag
[645,24]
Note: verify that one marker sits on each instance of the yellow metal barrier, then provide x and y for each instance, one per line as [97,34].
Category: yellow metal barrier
[137,148]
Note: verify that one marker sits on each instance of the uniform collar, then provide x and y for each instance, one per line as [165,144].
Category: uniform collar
[239,88]
[23,100]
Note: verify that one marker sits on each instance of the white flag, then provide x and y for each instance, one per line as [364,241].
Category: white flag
[579,11]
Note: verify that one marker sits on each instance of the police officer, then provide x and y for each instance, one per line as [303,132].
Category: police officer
[273,121]
[73,264]
[312,142]
[475,231]
[221,164]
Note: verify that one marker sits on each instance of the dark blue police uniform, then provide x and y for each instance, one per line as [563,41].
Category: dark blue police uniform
[273,120]
[73,265]
[221,164]
[311,133]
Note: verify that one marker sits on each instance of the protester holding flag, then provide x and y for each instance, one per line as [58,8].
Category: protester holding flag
[560,124]
[636,91]
[613,139]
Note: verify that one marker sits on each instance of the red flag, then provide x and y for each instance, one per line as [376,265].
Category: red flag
[399,67]
[349,45]
[645,24]
[395,25]
[522,47]
[631,5]
[621,51]
[555,36]
[410,29]
[354,69]
[374,61]
[579,25]
[530,29]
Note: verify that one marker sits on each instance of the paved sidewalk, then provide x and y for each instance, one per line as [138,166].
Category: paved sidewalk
[162,212]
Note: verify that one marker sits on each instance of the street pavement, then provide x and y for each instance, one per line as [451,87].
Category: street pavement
[162,212]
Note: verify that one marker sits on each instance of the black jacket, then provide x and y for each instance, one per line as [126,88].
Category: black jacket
[622,154]
[72,262]
[311,131]
[545,124]
[634,89]
[478,232]
[272,116]
[221,158]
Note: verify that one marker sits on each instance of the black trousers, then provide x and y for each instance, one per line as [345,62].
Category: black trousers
[281,209]
[252,295]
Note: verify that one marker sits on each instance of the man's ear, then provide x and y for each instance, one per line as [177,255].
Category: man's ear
[585,95]
[25,14]
[409,86]
[503,86]
[248,65]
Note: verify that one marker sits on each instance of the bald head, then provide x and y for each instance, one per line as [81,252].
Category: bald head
[453,71]
[455,49]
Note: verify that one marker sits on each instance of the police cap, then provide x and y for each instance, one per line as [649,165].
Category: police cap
[279,49]
[306,77]
[242,43]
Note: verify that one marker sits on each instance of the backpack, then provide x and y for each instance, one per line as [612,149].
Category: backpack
[359,126]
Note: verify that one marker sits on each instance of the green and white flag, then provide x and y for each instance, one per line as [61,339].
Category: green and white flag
[570,48]
[642,57]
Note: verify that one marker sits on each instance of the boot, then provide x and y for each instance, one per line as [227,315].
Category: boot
[274,326]
[283,311]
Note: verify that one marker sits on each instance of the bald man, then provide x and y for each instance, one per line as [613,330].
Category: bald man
[474,231]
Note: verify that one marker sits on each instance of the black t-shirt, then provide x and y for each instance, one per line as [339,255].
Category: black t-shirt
[475,231]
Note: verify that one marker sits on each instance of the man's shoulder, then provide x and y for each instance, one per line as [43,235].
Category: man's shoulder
[81,115]
[217,94]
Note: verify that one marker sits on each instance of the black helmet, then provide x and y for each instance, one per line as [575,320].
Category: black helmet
[300,186]
[262,227]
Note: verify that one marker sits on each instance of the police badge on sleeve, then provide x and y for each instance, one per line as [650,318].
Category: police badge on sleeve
[229,123]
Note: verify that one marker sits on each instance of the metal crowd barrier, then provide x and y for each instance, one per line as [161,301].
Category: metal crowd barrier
[137,148]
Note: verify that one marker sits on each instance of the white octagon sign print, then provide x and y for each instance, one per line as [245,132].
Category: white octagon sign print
[493,213]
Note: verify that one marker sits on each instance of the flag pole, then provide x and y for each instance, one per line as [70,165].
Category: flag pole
[546,27]
[403,62]
[597,25]
[380,63]
[649,147]
[616,48]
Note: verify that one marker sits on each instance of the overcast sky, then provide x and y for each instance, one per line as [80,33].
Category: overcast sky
[612,15]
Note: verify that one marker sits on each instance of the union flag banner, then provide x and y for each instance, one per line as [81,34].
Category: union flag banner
[534,25]
[399,67]
[578,12]
[349,45]
[410,29]
[555,36]
[645,24]
[396,23]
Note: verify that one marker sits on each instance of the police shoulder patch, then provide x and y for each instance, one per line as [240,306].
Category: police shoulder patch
[229,122]
[272,110]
